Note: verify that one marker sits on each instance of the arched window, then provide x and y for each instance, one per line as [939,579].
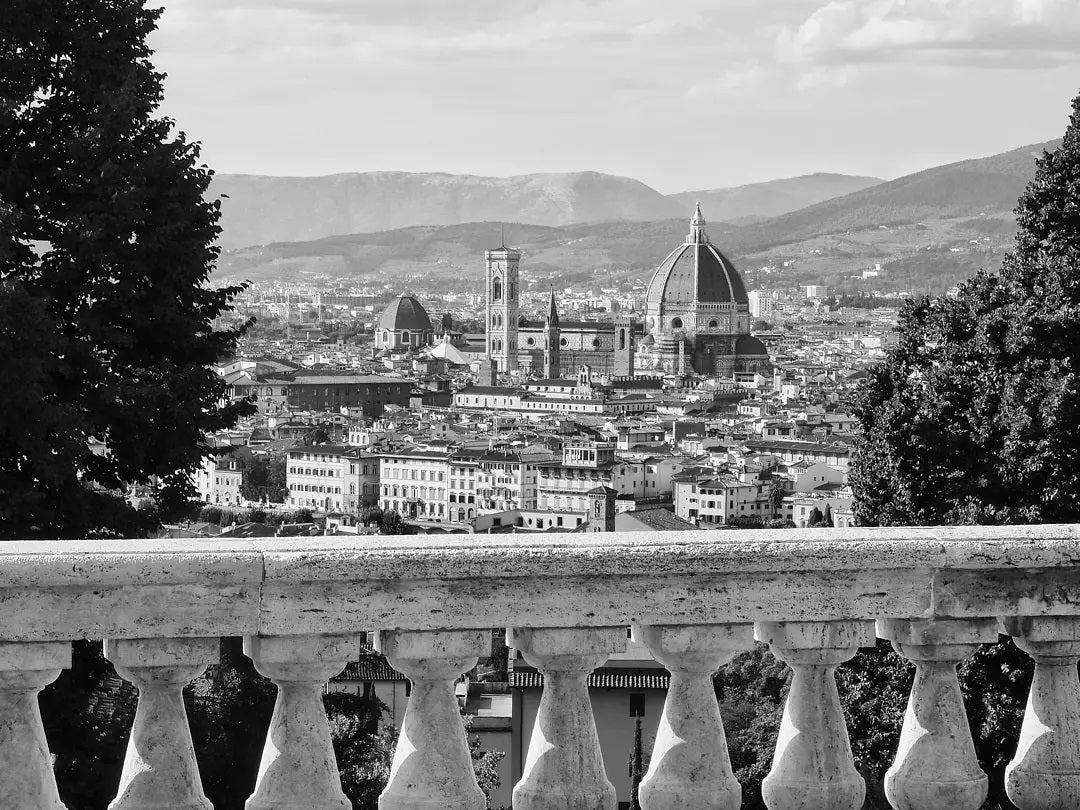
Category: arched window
[496,290]
[513,290]
[676,323]
[622,339]
[713,324]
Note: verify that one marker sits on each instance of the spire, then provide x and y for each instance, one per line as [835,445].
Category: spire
[553,310]
[697,228]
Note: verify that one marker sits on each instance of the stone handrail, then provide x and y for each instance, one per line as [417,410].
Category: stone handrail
[696,599]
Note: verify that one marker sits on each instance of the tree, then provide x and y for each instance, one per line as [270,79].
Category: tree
[229,724]
[392,522]
[827,517]
[776,495]
[975,418]
[485,763]
[363,745]
[106,318]
[107,242]
[814,519]
[264,479]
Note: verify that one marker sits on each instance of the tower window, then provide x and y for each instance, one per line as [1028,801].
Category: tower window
[496,290]
[713,324]
[676,323]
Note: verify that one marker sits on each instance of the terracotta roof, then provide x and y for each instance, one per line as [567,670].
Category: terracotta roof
[658,518]
[603,678]
[370,668]
[405,312]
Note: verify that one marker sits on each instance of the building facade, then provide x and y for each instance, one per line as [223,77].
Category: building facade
[549,346]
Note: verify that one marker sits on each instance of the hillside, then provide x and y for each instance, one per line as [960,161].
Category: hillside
[927,230]
[970,188]
[259,209]
[772,198]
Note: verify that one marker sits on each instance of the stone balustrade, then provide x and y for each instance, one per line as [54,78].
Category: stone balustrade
[695,599]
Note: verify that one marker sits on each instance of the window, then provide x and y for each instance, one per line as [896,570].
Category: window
[676,323]
[637,705]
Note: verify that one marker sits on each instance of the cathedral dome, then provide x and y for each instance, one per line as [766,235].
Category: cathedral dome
[696,272]
[748,345]
[405,313]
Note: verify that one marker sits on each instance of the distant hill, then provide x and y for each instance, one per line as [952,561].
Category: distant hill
[772,198]
[260,209]
[939,224]
[989,185]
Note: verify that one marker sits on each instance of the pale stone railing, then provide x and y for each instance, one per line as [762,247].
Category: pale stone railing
[695,599]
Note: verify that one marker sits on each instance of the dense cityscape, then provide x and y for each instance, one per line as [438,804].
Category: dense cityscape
[371,402]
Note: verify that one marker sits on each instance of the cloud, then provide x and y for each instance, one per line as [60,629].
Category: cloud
[994,33]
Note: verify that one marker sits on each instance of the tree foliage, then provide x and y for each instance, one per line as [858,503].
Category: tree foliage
[975,416]
[106,247]
[363,745]
[265,479]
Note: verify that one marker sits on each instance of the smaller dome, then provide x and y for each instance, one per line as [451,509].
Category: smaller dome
[405,313]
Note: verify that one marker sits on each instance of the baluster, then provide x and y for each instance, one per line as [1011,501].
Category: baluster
[159,767]
[812,767]
[432,767]
[936,765]
[298,769]
[564,769]
[1045,773]
[26,774]
[690,765]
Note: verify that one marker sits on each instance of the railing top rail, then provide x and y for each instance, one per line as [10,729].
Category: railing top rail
[149,588]
[314,559]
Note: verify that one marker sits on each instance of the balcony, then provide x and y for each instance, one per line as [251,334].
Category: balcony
[695,599]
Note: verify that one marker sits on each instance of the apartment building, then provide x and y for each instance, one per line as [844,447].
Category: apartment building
[319,477]
[414,483]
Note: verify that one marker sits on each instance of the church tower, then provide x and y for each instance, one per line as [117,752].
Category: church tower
[552,361]
[502,306]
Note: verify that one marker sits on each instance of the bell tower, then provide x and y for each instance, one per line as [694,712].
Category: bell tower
[502,306]
[552,360]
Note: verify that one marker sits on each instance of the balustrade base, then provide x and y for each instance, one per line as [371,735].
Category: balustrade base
[1031,789]
[956,794]
[679,795]
[579,800]
[332,804]
[788,794]
[164,805]
[399,801]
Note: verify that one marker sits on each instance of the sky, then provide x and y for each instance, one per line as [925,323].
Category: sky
[680,94]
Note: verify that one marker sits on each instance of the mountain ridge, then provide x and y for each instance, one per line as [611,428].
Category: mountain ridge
[260,209]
